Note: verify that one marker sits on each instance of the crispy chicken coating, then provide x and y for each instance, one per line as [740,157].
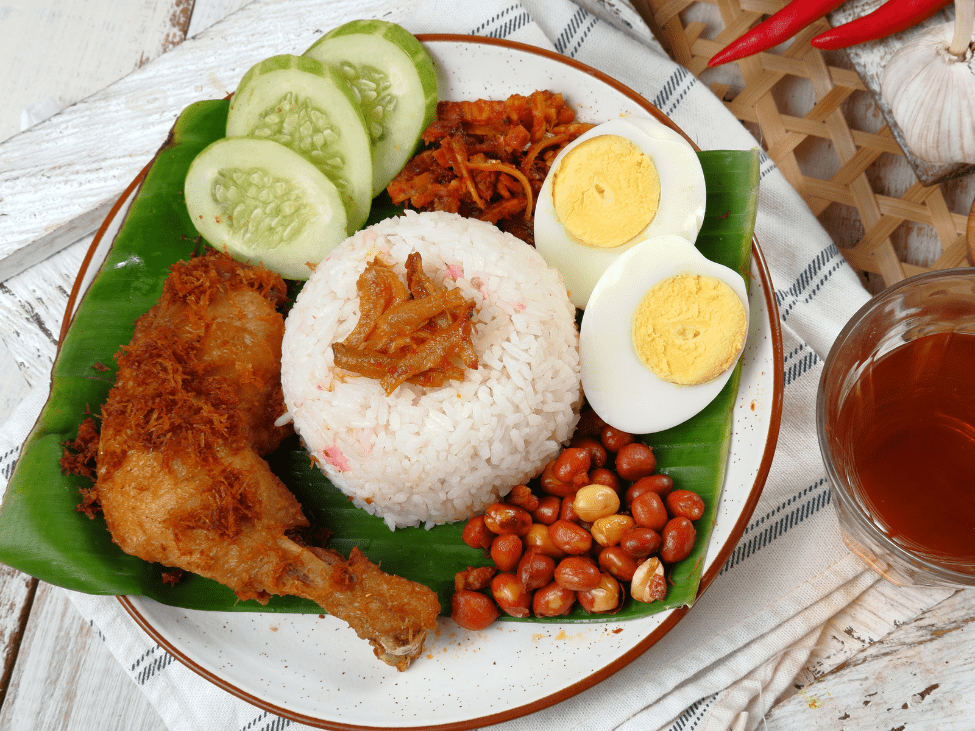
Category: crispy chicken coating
[180,476]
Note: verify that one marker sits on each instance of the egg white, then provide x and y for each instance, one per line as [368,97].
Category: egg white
[619,387]
[680,212]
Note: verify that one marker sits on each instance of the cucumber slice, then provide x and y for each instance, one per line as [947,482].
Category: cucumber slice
[305,105]
[262,202]
[394,78]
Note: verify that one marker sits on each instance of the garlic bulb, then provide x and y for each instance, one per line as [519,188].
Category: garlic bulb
[930,87]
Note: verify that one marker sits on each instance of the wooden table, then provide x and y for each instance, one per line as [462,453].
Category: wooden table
[894,659]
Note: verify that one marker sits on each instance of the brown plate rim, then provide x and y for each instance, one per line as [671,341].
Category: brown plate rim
[675,615]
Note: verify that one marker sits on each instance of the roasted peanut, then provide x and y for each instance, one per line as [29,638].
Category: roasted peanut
[686,503]
[510,595]
[635,460]
[476,533]
[501,518]
[571,464]
[590,424]
[678,539]
[608,531]
[523,497]
[640,542]
[535,569]
[648,511]
[593,502]
[661,484]
[603,476]
[553,601]
[597,452]
[473,610]
[552,485]
[568,512]
[648,583]
[570,537]
[475,578]
[614,439]
[539,538]
[616,563]
[548,510]
[506,551]
[604,598]
[577,573]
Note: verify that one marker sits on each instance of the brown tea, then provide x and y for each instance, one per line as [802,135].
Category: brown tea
[910,423]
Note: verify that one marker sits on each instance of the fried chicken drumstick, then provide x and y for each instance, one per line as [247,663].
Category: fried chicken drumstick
[180,476]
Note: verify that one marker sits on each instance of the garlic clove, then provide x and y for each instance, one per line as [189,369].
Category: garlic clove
[931,93]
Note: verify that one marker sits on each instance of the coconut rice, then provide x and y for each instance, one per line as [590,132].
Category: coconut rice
[435,455]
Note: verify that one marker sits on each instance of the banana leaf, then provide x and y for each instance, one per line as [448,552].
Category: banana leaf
[42,534]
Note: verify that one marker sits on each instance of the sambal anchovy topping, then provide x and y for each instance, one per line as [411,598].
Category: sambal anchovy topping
[417,333]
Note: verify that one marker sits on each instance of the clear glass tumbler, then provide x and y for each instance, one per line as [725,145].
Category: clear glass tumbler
[861,394]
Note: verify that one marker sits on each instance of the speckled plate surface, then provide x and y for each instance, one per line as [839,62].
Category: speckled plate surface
[316,671]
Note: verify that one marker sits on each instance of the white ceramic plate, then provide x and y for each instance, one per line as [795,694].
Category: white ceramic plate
[316,671]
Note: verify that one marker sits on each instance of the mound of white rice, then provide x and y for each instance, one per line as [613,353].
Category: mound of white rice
[435,455]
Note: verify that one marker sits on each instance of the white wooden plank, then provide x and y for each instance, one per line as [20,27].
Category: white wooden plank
[208,12]
[920,676]
[32,308]
[16,597]
[54,174]
[67,680]
[13,386]
[873,616]
[59,53]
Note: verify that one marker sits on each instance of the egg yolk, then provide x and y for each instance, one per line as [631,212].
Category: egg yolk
[689,329]
[605,191]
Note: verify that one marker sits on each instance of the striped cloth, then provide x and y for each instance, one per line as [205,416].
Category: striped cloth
[745,640]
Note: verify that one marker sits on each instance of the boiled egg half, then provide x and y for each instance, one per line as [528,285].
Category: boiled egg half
[620,183]
[661,334]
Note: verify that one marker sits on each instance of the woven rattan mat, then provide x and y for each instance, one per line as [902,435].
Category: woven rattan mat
[815,118]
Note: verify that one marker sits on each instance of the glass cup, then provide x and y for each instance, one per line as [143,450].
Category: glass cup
[935,303]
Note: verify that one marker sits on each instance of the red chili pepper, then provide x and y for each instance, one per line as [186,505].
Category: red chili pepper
[891,17]
[775,29]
